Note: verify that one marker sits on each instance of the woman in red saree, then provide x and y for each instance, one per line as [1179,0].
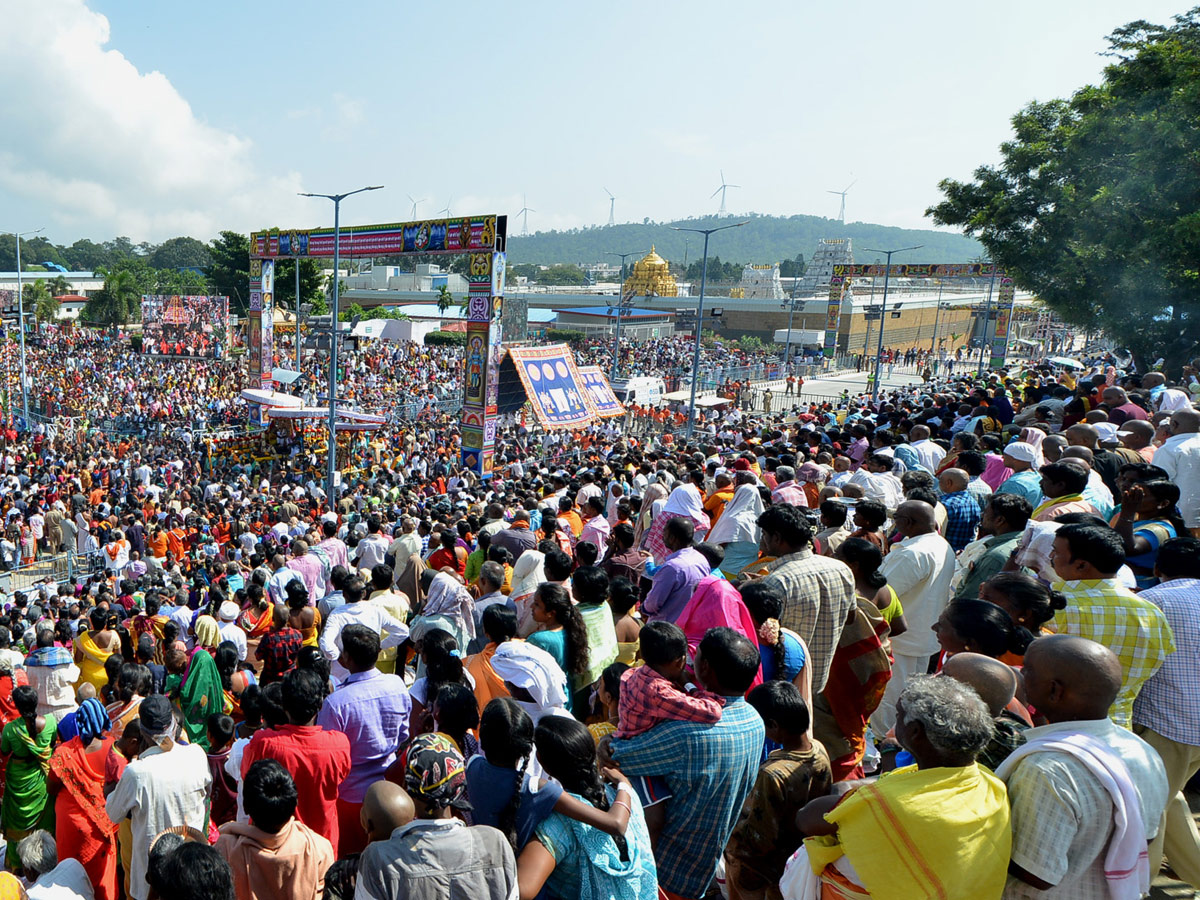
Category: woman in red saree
[82,829]
[858,676]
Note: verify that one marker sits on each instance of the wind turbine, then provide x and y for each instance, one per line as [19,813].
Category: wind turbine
[842,194]
[414,205]
[721,190]
[446,209]
[524,212]
[612,205]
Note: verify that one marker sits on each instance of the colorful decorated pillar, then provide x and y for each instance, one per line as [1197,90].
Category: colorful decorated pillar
[1005,301]
[839,284]
[481,382]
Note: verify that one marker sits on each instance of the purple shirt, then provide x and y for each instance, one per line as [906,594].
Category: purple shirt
[371,708]
[674,584]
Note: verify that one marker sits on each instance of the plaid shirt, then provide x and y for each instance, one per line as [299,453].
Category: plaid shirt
[648,698]
[278,651]
[962,512]
[1133,628]
[818,593]
[709,770]
[1169,703]
[50,656]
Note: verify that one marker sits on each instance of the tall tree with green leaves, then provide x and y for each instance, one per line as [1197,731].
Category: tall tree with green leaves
[117,303]
[180,252]
[1095,205]
[39,301]
[229,274]
[444,298]
[58,285]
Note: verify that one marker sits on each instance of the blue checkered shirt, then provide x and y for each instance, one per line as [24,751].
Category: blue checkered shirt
[710,770]
[962,512]
[1169,702]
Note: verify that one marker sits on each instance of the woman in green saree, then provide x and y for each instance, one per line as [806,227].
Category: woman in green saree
[29,740]
[201,695]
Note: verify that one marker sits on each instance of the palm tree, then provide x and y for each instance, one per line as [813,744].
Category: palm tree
[39,299]
[444,299]
[115,303]
[59,286]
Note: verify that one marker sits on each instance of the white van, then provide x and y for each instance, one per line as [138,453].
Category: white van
[643,390]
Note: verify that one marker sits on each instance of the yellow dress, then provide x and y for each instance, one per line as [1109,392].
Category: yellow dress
[91,666]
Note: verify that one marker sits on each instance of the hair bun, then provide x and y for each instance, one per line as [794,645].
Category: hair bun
[1057,600]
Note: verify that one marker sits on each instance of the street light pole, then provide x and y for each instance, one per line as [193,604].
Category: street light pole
[331,462]
[787,347]
[296,262]
[707,232]
[987,320]
[883,314]
[620,305]
[937,314]
[21,327]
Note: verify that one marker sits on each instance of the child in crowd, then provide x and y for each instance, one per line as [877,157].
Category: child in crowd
[766,834]
[223,791]
[658,692]
[608,692]
[622,598]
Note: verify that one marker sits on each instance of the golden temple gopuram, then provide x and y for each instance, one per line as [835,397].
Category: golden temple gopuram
[651,276]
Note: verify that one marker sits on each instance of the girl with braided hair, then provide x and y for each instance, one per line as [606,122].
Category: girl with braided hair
[572,858]
[506,795]
[562,633]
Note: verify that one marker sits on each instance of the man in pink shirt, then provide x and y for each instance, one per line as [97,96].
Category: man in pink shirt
[311,568]
[787,490]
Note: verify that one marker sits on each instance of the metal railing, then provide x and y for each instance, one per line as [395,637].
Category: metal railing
[60,567]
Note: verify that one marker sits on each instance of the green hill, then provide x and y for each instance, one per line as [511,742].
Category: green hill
[766,239]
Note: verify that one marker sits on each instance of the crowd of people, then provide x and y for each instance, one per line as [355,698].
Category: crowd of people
[945,645]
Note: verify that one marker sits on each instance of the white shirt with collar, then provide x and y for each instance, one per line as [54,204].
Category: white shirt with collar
[1179,457]
[928,453]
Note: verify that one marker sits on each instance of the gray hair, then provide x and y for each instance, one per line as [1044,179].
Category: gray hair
[785,473]
[493,572]
[955,718]
[38,853]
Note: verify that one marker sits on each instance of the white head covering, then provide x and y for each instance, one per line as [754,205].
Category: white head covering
[447,597]
[528,573]
[529,667]
[739,521]
[685,500]
[1171,399]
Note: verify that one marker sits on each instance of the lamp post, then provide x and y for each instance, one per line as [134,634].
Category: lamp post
[987,321]
[331,462]
[620,305]
[937,314]
[21,326]
[787,346]
[883,313]
[296,262]
[707,232]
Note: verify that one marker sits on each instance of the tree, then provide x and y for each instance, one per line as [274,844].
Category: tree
[40,301]
[58,285]
[792,268]
[229,274]
[312,281]
[116,303]
[444,298]
[562,274]
[86,256]
[1094,205]
[181,252]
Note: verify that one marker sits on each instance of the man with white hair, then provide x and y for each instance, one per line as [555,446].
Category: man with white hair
[51,879]
[786,489]
[166,786]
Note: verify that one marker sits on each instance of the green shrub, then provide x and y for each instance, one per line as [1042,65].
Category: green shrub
[446,339]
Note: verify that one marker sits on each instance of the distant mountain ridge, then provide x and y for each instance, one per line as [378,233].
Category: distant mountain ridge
[764,240]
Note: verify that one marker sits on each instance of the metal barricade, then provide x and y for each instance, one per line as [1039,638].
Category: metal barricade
[59,567]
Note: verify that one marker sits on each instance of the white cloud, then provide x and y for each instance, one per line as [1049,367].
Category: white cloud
[105,149]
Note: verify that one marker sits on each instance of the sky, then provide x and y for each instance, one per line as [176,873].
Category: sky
[156,119]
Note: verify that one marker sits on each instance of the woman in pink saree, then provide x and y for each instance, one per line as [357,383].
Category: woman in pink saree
[717,604]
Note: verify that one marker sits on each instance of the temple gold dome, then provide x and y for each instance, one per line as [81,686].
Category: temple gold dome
[651,276]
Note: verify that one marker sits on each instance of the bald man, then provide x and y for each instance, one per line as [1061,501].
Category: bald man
[1120,408]
[1179,457]
[386,807]
[962,509]
[996,684]
[1104,462]
[919,569]
[1064,818]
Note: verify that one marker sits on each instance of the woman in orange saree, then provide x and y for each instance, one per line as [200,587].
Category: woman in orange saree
[82,829]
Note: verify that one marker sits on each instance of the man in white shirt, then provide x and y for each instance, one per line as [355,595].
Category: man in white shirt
[1179,457]
[358,611]
[409,542]
[373,548]
[1086,794]
[919,569]
[166,786]
[281,575]
[51,879]
[230,630]
[928,453]
[878,482]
